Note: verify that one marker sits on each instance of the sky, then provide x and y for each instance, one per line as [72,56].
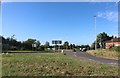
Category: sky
[66,21]
[60,0]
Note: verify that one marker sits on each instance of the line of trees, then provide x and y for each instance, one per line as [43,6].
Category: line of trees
[11,43]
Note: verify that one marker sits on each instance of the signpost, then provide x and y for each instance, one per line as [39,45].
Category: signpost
[56,42]
[34,46]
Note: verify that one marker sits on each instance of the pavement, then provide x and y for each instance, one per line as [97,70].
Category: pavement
[87,56]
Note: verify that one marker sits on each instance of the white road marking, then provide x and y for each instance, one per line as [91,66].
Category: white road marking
[90,59]
[75,54]
[112,63]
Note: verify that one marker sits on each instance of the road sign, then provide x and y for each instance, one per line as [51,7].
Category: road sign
[34,45]
[56,42]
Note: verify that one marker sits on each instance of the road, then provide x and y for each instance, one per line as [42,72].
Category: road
[87,56]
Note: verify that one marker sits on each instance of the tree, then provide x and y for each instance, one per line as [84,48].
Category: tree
[87,47]
[28,44]
[19,45]
[42,48]
[38,45]
[100,40]
[66,45]
[4,44]
[47,44]
[71,46]
[93,46]
[12,43]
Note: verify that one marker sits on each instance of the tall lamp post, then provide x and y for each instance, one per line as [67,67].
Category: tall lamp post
[95,32]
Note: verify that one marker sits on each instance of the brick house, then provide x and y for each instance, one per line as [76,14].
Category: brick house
[113,42]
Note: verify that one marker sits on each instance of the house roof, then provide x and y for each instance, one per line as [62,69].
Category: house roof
[116,39]
[113,40]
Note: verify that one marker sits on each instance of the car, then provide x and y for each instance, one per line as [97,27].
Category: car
[84,49]
[80,49]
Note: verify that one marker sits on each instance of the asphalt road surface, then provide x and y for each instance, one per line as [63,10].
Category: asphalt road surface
[87,56]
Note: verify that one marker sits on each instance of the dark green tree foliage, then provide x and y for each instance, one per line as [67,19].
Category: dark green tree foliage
[42,48]
[71,46]
[28,44]
[0,43]
[47,44]
[93,46]
[38,43]
[87,47]
[66,45]
[100,40]
[10,43]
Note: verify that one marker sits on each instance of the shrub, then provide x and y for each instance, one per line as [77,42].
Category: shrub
[116,48]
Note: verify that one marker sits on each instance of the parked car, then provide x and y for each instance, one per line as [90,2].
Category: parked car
[80,49]
[83,49]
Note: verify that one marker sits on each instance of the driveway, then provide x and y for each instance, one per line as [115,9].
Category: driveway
[87,56]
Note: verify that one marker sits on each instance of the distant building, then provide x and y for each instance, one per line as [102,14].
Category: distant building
[113,42]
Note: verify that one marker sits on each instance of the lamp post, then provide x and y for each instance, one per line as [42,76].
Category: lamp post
[95,32]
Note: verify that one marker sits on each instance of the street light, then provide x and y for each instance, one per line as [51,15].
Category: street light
[95,32]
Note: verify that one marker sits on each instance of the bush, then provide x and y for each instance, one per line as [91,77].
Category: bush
[117,48]
[42,48]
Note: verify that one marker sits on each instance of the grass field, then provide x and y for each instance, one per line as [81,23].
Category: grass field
[104,53]
[28,51]
[52,64]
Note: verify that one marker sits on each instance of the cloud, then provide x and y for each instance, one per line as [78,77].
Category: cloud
[109,15]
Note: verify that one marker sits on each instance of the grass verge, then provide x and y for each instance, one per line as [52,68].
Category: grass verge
[104,53]
[52,64]
[19,51]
